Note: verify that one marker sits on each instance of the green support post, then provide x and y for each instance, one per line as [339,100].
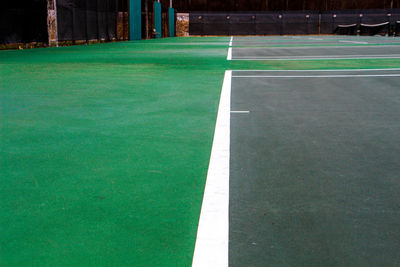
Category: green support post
[157,20]
[171,24]
[135,20]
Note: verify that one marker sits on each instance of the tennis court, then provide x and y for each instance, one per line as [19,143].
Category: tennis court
[308,48]
[165,153]
[328,40]
[314,163]
[311,161]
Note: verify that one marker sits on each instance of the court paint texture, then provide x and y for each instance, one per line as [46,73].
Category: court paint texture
[105,150]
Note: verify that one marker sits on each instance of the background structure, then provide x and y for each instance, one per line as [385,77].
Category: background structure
[281,5]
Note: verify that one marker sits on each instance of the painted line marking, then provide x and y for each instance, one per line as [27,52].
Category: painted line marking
[212,241]
[230,42]
[353,42]
[321,58]
[333,56]
[316,76]
[317,39]
[389,69]
[229,57]
[240,111]
[323,47]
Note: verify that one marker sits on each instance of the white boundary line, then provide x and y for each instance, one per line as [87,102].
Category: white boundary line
[353,42]
[317,76]
[317,47]
[322,58]
[389,69]
[229,57]
[331,56]
[211,249]
[240,111]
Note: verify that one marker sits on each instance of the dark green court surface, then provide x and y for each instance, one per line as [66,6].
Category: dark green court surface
[314,48]
[290,41]
[327,52]
[315,174]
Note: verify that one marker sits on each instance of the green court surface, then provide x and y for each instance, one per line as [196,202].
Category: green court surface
[104,152]
[105,148]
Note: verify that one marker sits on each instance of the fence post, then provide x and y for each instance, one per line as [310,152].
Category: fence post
[157,20]
[135,20]
[52,22]
[171,24]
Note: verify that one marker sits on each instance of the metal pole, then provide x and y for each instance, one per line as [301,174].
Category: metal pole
[146,10]
[50,9]
[86,23]
[55,21]
[97,21]
[108,20]
[73,23]
[117,19]
[319,23]
[170,3]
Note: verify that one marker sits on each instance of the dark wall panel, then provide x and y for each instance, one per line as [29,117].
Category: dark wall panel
[23,21]
[280,5]
[268,23]
[88,19]
[292,22]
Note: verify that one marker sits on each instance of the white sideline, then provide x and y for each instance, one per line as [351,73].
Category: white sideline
[395,56]
[229,57]
[319,47]
[387,69]
[211,249]
[316,76]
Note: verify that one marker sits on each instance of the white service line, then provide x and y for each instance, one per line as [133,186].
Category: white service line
[211,249]
[231,41]
[317,76]
[353,42]
[240,111]
[317,39]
